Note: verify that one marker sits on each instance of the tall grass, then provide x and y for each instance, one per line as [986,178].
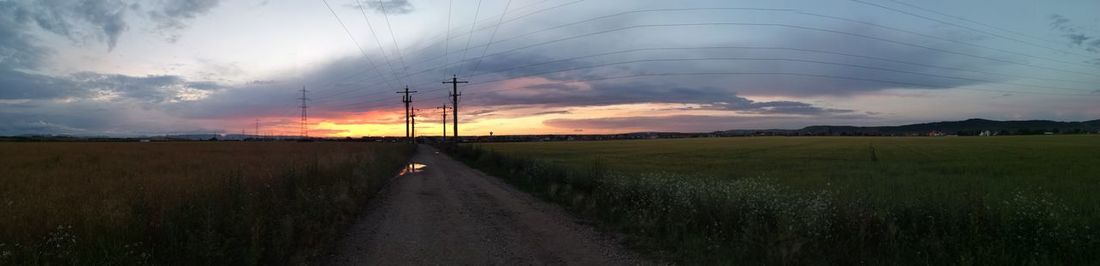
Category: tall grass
[183,203]
[757,220]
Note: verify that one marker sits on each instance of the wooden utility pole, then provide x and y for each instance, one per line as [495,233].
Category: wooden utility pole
[304,120]
[407,99]
[454,101]
[412,117]
[444,108]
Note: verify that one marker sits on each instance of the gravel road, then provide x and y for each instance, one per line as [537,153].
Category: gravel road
[450,214]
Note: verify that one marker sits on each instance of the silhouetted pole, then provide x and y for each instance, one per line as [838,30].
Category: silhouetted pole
[412,116]
[454,101]
[444,108]
[407,99]
[304,129]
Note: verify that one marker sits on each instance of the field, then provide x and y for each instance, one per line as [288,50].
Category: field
[183,203]
[826,200]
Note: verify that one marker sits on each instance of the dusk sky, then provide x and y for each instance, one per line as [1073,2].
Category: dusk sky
[128,68]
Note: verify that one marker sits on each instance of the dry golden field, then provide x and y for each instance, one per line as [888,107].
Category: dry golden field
[184,202]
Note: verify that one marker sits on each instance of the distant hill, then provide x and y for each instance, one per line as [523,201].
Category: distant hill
[965,127]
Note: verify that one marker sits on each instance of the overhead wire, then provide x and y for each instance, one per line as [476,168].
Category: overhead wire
[377,40]
[965,27]
[491,36]
[396,48]
[352,37]
[765,24]
[471,35]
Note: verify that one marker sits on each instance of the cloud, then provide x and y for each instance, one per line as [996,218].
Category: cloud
[680,123]
[549,94]
[174,15]
[693,123]
[102,87]
[389,7]
[103,20]
[88,103]
[1076,35]
[80,21]
[18,49]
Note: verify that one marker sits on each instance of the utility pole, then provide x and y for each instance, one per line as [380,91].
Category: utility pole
[444,108]
[257,128]
[304,129]
[407,99]
[454,101]
[412,117]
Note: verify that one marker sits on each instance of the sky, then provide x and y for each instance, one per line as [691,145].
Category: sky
[135,68]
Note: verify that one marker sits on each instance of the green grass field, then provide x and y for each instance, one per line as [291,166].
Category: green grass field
[1067,166]
[954,200]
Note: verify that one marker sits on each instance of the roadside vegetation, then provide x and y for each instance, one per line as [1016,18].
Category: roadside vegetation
[184,203]
[825,200]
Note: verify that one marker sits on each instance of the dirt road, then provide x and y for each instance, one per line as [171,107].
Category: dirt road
[450,214]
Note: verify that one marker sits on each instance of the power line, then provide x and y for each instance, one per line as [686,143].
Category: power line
[970,21]
[793,74]
[456,64]
[396,48]
[801,61]
[352,38]
[793,26]
[491,36]
[936,37]
[759,59]
[377,40]
[752,9]
[807,28]
[353,73]
[964,27]
[447,39]
[471,35]
[647,25]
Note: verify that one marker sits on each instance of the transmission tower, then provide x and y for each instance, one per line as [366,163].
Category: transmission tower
[257,129]
[407,99]
[454,101]
[305,118]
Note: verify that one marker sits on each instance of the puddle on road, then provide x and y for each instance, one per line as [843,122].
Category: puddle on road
[412,168]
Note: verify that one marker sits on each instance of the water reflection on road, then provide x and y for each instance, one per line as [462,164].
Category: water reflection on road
[413,167]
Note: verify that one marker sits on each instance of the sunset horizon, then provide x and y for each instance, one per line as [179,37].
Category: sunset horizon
[556,67]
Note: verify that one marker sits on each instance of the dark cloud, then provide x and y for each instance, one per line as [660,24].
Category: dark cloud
[390,7]
[681,123]
[796,63]
[89,103]
[86,85]
[559,112]
[16,84]
[692,123]
[711,98]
